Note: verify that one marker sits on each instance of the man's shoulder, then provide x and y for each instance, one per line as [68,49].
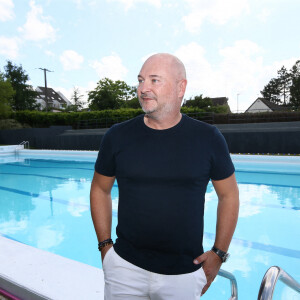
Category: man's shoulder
[200,125]
[122,127]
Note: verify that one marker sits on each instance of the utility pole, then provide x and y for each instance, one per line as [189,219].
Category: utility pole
[46,92]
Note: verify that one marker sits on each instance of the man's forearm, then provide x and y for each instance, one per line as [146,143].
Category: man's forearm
[227,216]
[101,210]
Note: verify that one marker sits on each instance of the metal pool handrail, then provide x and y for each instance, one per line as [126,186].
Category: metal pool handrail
[270,279]
[25,143]
[233,283]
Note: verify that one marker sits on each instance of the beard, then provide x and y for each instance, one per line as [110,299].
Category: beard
[148,110]
[157,111]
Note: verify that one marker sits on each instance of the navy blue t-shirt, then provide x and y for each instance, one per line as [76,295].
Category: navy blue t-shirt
[162,177]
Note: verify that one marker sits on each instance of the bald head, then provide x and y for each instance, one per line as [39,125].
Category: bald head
[162,83]
[170,62]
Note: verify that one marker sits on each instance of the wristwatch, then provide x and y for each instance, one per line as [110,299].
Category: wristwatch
[223,255]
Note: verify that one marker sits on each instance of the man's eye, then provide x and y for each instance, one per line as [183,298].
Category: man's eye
[140,80]
[154,80]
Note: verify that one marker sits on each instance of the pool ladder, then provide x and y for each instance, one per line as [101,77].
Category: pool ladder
[25,144]
[233,283]
[270,279]
[268,283]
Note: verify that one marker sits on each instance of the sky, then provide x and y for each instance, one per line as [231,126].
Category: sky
[230,48]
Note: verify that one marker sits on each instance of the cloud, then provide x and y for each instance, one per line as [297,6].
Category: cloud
[49,53]
[110,67]
[71,60]
[214,11]
[37,26]
[200,74]
[264,15]
[13,226]
[9,47]
[130,3]
[77,206]
[48,237]
[6,10]
[241,69]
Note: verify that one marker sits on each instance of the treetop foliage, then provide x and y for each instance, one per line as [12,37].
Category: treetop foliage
[110,94]
[24,97]
[285,88]
[6,95]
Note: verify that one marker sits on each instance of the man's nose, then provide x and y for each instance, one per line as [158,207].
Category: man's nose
[144,86]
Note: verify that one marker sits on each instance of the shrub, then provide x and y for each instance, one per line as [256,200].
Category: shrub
[11,124]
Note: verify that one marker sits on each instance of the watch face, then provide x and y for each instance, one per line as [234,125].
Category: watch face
[225,257]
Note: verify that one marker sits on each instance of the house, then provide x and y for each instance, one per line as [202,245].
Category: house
[56,100]
[219,101]
[263,105]
[216,101]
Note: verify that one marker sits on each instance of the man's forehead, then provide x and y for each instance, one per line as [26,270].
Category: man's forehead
[156,70]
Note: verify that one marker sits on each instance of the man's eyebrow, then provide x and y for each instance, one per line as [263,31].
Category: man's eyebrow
[140,76]
[155,76]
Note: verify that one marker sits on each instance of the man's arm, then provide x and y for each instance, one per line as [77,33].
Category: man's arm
[101,207]
[227,215]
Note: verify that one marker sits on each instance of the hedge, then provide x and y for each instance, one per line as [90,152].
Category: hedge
[106,118]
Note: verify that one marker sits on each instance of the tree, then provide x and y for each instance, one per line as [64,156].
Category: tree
[110,94]
[271,91]
[24,97]
[133,103]
[76,97]
[284,83]
[6,95]
[199,102]
[295,86]
[295,70]
[284,89]
[295,93]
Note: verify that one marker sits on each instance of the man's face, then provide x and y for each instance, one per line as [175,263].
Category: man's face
[158,88]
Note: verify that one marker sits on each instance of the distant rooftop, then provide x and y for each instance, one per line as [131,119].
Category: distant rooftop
[51,95]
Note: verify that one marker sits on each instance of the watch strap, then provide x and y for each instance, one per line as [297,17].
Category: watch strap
[223,255]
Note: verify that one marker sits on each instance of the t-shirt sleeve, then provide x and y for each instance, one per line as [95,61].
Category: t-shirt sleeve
[105,163]
[221,163]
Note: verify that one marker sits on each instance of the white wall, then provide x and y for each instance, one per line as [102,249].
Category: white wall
[258,106]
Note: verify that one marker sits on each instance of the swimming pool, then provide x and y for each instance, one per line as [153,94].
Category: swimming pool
[44,202]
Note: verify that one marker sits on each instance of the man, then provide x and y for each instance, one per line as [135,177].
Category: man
[163,162]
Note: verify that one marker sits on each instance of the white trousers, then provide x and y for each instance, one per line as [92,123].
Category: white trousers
[126,281]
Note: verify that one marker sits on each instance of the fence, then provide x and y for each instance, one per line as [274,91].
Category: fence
[211,118]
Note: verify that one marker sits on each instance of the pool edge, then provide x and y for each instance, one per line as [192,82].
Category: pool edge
[31,273]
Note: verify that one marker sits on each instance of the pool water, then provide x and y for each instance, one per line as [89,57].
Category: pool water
[45,203]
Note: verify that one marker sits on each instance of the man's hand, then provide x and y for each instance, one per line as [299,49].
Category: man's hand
[104,251]
[211,264]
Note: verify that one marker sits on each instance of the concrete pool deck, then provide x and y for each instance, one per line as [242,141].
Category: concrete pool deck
[33,274]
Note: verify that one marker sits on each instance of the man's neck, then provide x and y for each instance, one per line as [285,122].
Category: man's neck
[162,123]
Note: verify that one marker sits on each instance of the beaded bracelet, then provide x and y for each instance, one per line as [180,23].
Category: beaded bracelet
[104,243]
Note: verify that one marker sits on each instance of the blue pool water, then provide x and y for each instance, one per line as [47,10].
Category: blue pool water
[45,203]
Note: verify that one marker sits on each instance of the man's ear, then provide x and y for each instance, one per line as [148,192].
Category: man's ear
[181,87]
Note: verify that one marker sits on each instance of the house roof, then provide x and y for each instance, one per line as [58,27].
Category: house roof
[271,105]
[219,101]
[51,95]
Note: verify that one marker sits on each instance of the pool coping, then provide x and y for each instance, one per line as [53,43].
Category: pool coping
[30,273]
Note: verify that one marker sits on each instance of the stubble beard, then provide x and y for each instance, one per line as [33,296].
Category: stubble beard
[150,110]
[158,112]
